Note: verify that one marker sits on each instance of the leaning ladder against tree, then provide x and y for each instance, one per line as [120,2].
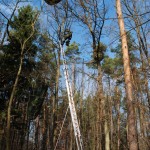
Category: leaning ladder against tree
[69,91]
[71,103]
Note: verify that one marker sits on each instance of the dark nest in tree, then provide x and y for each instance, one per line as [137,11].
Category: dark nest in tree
[98,55]
[98,52]
[52,2]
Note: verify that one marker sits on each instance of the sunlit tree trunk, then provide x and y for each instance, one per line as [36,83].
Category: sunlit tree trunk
[55,102]
[81,98]
[111,124]
[118,119]
[106,129]
[132,135]
[100,113]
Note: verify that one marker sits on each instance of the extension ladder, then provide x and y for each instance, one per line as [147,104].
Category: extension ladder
[71,103]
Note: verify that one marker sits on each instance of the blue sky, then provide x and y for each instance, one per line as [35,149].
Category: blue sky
[79,33]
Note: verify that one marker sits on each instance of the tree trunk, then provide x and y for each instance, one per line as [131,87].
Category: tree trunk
[28,132]
[81,99]
[132,135]
[71,137]
[55,103]
[111,124]
[37,128]
[106,129]
[118,119]
[100,111]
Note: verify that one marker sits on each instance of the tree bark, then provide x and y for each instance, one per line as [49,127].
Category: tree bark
[37,131]
[55,102]
[118,119]
[100,111]
[106,128]
[132,135]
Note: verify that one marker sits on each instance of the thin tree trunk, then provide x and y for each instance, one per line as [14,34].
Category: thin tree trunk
[110,113]
[81,99]
[111,124]
[132,135]
[71,137]
[55,103]
[28,133]
[100,115]
[36,139]
[118,119]
[106,129]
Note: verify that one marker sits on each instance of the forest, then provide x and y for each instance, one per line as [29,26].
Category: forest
[74,75]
